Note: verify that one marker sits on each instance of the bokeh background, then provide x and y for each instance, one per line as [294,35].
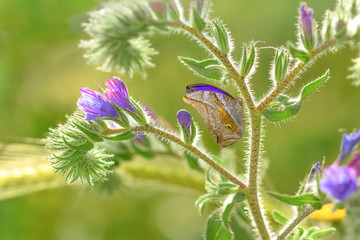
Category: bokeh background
[42,69]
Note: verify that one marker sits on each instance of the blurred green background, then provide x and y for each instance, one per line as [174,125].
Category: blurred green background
[42,69]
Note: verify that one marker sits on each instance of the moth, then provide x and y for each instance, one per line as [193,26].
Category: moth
[222,113]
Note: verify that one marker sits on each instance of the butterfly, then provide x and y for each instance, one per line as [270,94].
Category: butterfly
[222,113]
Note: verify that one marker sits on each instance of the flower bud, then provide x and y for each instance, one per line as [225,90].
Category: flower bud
[307,29]
[117,93]
[184,118]
[348,144]
[281,64]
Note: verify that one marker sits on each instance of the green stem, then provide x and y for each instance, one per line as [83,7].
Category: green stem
[255,117]
[252,194]
[190,148]
[291,225]
[293,74]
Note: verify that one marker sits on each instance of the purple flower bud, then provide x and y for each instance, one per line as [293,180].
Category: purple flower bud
[355,163]
[184,118]
[339,181]
[314,169]
[348,144]
[306,19]
[149,113]
[117,93]
[95,105]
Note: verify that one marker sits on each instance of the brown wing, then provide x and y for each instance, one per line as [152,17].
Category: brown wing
[214,109]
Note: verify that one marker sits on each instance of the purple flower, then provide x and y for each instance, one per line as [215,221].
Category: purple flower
[348,144]
[355,163]
[95,105]
[117,93]
[306,19]
[339,181]
[184,118]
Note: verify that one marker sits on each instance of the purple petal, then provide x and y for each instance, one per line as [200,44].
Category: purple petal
[95,105]
[117,93]
[355,163]
[205,87]
[348,143]
[306,19]
[339,181]
[184,118]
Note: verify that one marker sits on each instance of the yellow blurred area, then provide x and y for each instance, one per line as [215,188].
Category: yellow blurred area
[327,213]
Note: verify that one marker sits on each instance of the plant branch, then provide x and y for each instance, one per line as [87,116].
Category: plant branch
[293,74]
[291,225]
[255,117]
[159,132]
[240,80]
[252,194]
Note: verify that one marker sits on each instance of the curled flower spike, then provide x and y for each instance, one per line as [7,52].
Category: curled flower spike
[117,93]
[306,19]
[348,144]
[339,181]
[95,105]
[355,163]
[184,118]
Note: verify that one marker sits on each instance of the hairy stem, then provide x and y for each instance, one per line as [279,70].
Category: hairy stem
[159,132]
[255,117]
[291,225]
[252,194]
[293,74]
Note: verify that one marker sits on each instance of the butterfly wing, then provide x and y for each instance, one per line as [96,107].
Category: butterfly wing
[222,115]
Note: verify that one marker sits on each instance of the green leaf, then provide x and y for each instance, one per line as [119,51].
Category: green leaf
[322,233]
[141,118]
[284,107]
[203,200]
[215,229]
[225,216]
[197,22]
[208,68]
[299,54]
[123,120]
[192,160]
[121,137]
[93,136]
[306,198]
[86,146]
[221,36]
[279,217]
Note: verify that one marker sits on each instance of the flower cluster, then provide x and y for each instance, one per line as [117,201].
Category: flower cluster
[341,181]
[96,105]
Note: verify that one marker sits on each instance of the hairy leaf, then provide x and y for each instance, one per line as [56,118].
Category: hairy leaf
[208,68]
[284,107]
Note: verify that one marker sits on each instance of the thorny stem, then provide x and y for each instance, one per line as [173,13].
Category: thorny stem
[161,133]
[291,225]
